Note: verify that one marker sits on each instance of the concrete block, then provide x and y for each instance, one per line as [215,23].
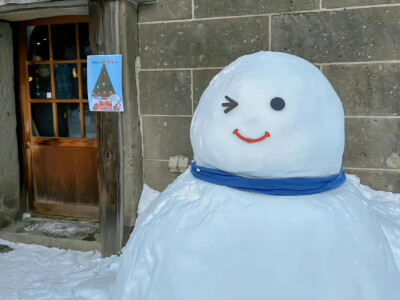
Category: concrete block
[350,3]
[367,90]
[216,8]
[210,43]
[165,137]
[368,34]
[157,174]
[165,93]
[372,143]
[4,220]
[201,79]
[378,180]
[165,10]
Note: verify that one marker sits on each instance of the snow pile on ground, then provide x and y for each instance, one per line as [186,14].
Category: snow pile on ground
[26,216]
[60,228]
[36,272]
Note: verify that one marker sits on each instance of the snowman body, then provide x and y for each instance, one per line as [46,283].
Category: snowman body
[223,244]
[266,116]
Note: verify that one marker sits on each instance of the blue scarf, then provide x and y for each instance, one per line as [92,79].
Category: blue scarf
[276,187]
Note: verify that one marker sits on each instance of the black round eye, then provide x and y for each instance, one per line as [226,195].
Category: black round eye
[278,103]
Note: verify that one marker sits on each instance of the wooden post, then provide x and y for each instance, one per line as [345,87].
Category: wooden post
[104,39]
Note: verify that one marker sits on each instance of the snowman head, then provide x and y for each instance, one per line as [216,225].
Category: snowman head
[269,115]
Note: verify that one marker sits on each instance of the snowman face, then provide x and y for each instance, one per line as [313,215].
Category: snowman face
[269,115]
[277,104]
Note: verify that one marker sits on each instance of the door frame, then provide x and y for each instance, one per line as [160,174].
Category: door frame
[28,139]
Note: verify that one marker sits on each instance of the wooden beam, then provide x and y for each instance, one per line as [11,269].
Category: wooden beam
[132,138]
[104,39]
[29,11]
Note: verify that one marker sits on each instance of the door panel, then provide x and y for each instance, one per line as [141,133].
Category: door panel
[59,130]
[66,174]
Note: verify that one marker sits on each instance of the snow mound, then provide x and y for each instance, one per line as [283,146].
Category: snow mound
[147,198]
[386,206]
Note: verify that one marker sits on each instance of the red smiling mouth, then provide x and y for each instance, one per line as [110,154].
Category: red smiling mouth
[247,140]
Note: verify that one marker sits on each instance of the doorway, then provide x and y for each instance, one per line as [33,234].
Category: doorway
[59,131]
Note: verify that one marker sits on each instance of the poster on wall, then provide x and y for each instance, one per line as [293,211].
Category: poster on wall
[104,75]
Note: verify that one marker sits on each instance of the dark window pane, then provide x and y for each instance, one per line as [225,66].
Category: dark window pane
[90,123]
[84,40]
[64,41]
[84,83]
[40,82]
[38,43]
[42,119]
[69,120]
[67,84]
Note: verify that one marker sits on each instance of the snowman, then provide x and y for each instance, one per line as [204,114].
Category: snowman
[265,211]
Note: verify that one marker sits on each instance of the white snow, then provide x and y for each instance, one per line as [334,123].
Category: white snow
[35,272]
[204,241]
[147,198]
[387,208]
[59,228]
[26,216]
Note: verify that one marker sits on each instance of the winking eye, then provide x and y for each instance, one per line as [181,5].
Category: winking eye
[231,104]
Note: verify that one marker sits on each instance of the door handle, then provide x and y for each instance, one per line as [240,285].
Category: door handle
[28,145]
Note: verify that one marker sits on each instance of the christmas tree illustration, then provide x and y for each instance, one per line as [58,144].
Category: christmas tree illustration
[104,92]
[103,88]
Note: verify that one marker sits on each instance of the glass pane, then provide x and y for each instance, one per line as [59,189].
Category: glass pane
[69,120]
[67,85]
[90,122]
[40,82]
[42,119]
[84,40]
[64,41]
[38,43]
[84,83]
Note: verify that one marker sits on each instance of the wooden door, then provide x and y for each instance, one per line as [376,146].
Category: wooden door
[59,130]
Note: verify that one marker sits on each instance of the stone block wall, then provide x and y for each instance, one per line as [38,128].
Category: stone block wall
[355,43]
[9,165]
